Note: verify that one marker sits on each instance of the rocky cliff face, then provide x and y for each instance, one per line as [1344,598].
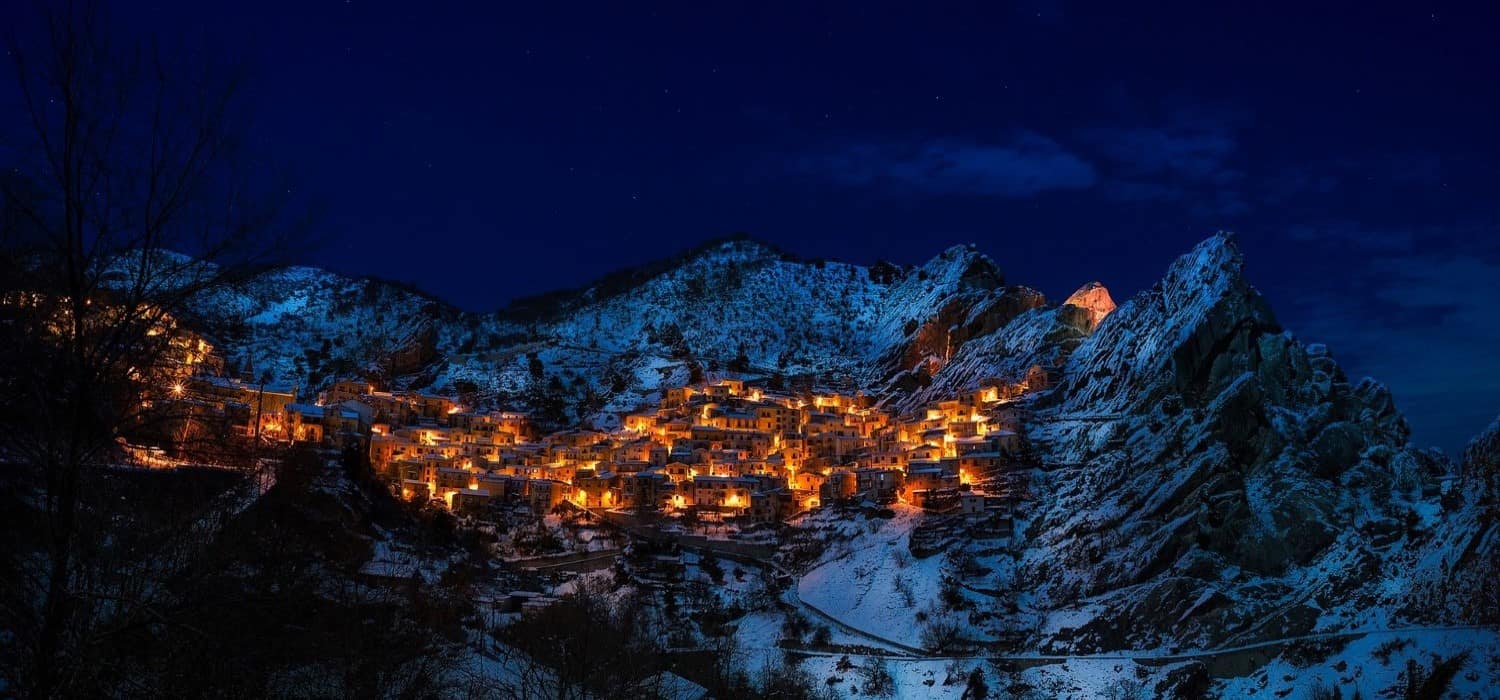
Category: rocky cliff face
[1209,479]
[1481,465]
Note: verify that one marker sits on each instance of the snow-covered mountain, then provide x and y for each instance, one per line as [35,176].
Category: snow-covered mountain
[1205,479]
[731,307]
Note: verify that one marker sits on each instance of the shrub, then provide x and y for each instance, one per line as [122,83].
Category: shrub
[710,565]
[952,597]
[793,627]
[787,680]
[904,589]
[1125,689]
[1384,651]
[976,689]
[1328,692]
[821,636]
[875,678]
[1431,684]
[1308,652]
[938,634]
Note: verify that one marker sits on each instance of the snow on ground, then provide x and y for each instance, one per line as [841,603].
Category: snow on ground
[912,679]
[1374,663]
[500,670]
[1092,678]
[876,585]
[739,585]
[581,581]
[1079,679]
[1371,665]
[756,635]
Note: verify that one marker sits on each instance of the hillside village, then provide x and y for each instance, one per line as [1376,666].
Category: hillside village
[720,450]
[725,449]
[729,447]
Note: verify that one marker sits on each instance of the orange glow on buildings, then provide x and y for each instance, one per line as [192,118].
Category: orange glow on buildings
[721,448]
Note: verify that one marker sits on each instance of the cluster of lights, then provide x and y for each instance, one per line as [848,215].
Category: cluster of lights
[952,412]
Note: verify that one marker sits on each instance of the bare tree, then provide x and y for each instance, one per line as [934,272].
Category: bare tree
[122,208]
[592,645]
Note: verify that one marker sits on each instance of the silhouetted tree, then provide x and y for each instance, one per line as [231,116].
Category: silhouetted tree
[876,679]
[593,644]
[131,160]
[741,361]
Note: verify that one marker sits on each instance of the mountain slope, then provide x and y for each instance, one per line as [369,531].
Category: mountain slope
[1212,481]
[733,306]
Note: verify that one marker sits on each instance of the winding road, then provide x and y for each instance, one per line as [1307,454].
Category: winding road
[1225,662]
[1228,661]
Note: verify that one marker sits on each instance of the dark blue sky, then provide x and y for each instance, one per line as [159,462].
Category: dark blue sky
[492,150]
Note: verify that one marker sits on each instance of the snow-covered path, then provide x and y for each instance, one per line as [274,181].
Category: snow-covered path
[876,583]
[1147,656]
[897,649]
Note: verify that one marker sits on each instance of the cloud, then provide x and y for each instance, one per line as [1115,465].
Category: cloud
[1026,165]
[1192,149]
[1397,173]
[1414,308]
[1185,160]
[1352,235]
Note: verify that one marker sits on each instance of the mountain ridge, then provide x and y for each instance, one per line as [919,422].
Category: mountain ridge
[1199,476]
[357,345]
[731,299]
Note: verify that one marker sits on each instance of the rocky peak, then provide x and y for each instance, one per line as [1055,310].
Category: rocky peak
[967,266]
[1192,334]
[1204,433]
[1093,298]
[1212,268]
[1481,465]
[738,247]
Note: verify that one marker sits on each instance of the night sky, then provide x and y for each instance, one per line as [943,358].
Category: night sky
[495,150]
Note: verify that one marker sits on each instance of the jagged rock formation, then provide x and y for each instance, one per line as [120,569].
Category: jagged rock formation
[1212,479]
[1093,298]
